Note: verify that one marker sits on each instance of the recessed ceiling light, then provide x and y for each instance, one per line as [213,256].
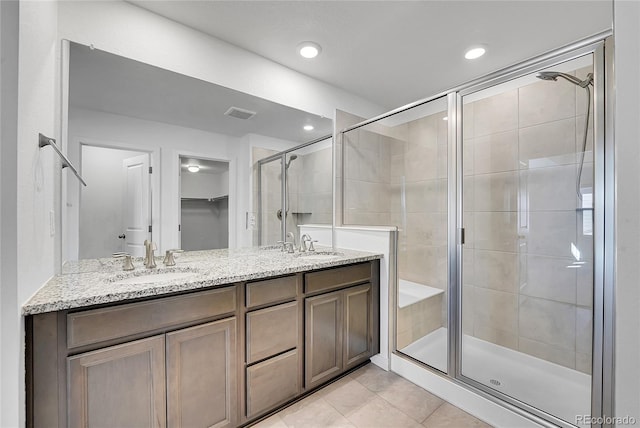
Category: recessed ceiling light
[308,127]
[309,49]
[445,118]
[193,168]
[474,53]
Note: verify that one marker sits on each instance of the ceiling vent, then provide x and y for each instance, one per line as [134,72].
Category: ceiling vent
[240,113]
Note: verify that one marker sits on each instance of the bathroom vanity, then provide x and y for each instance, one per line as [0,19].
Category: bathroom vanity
[221,339]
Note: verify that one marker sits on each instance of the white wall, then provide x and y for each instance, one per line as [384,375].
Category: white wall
[29,180]
[204,185]
[10,378]
[627,158]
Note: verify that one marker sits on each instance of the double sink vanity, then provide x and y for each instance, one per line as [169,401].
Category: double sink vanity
[222,339]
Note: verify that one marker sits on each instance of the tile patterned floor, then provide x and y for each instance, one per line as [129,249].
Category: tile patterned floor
[372,398]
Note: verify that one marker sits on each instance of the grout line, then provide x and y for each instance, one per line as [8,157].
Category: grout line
[434,411]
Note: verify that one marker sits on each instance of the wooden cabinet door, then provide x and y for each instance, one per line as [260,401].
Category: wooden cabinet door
[323,338]
[358,326]
[120,386]
[201,376]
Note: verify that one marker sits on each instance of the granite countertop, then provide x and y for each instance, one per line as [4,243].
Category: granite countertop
[98,281]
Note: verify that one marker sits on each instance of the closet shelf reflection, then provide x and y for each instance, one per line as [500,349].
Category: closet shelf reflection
[216,199]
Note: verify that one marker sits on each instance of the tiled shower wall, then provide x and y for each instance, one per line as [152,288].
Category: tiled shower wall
[314,192]
[419,202]
[367,183]
[527,259]
[398,176]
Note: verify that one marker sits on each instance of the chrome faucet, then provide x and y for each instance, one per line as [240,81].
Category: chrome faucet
[293,239]
[150,259]
[303,242]
[169,260]
[128,264]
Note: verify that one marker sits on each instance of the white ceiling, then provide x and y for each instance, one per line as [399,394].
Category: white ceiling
[393,52]
[110,83]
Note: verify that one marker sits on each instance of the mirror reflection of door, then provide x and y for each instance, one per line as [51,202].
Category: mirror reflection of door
[204,204]
[115,210]
[135,205]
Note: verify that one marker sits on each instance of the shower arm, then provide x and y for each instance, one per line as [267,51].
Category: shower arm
[46,141]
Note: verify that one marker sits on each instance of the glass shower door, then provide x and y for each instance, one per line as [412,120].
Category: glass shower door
[396,173]
[527,281]
[270,201]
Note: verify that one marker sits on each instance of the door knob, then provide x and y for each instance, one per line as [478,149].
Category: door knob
[122,236]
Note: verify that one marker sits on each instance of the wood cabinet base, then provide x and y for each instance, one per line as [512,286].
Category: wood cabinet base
[222,357]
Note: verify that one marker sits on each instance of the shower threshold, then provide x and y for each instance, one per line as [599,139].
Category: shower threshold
[554,389]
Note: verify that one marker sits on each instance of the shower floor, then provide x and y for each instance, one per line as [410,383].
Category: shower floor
[558,390]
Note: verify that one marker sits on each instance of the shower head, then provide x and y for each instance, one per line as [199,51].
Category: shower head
[548,75]
[291,158]
[553,75]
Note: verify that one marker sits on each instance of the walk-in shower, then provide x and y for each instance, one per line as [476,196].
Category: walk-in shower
[494,190]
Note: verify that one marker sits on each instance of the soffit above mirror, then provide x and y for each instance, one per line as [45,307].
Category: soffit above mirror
[113,84]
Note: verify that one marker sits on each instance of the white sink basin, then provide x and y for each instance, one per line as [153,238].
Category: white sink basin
[156,277]
[320,255]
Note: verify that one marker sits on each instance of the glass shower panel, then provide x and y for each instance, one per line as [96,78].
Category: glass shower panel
[395,174]
[527,282]
[270,201]
[294,211]
[309,186]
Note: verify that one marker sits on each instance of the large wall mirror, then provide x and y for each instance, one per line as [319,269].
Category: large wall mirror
[135,130]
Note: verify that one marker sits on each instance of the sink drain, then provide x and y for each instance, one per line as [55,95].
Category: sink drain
[495,382]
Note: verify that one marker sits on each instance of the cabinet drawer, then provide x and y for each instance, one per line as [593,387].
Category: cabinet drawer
[336,278]
[271,291]
[98,325]
[272,382]
[271,331]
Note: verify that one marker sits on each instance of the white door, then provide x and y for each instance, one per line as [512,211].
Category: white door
[136,207]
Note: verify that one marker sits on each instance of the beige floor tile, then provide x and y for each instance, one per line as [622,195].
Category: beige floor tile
[349,397]
[274,421]
[326,390]
[298,405]
[317,414]
[449,416]
[374,378]
[371,398]
[378,413]
[411,399]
